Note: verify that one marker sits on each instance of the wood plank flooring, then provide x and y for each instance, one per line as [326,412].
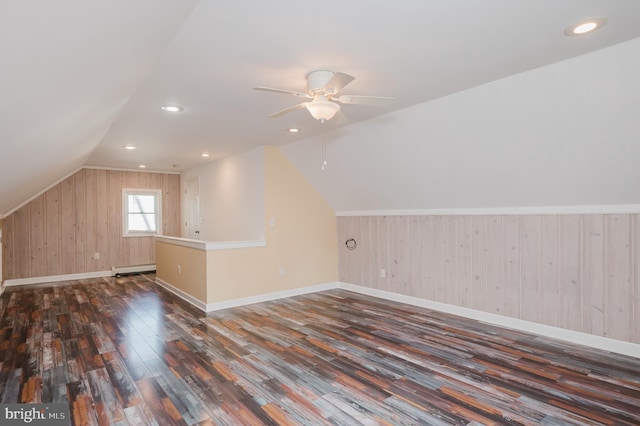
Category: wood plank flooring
[126,352]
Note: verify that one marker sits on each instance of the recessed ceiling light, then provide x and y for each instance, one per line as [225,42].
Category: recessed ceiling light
[293,130]
[171,108]
[142,166]
[129,147]
[204,154]
[585,26]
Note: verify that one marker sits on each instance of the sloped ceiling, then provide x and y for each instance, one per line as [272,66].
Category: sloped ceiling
[562,135]
[82,79]
[67,70]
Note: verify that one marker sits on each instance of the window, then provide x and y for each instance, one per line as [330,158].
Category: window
[141,212]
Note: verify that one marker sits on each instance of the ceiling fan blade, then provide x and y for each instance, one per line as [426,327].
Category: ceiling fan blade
[284,91]
[288,110]
[339,81]
[365,100]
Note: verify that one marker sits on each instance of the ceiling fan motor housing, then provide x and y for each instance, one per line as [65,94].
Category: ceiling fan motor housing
[317,82]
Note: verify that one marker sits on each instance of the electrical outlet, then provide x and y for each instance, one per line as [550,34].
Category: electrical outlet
[383,273]
[281,270]
[179,269]
[272,222]
[96,255]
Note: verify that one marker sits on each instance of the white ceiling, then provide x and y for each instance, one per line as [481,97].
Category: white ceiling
[81,79]
[566,134]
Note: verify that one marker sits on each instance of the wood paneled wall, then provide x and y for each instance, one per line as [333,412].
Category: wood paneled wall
[578,272]
[60,231]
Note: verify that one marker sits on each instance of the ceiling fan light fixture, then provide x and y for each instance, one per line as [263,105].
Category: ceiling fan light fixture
[323,109]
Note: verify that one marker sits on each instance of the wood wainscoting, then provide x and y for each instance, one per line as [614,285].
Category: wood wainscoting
[575,271]
[59,232]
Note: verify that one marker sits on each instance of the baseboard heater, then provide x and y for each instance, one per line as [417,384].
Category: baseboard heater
[132,270]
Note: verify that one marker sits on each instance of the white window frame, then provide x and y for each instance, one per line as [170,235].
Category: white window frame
[157,193]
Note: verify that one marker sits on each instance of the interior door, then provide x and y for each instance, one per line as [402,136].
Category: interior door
[192,208]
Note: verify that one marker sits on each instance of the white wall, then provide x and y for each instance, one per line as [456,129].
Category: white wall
[231,197]
[564,134]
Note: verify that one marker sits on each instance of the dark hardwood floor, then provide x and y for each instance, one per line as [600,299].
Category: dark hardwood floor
[124,351]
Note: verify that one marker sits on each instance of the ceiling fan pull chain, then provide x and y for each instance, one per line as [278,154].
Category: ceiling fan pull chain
[324,152]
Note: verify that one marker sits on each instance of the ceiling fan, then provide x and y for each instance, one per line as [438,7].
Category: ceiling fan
[323,88]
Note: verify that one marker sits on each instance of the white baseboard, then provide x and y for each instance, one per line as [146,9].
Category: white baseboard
[56,278]
[181,294]
[604,343]
[270,296]
[80,276]
[211,307]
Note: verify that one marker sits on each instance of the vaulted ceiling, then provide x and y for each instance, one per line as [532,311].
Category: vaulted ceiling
[80,80]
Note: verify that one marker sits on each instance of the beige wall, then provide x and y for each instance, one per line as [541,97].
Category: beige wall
[302,241]
[192,275]
[59,232]
[578,272]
